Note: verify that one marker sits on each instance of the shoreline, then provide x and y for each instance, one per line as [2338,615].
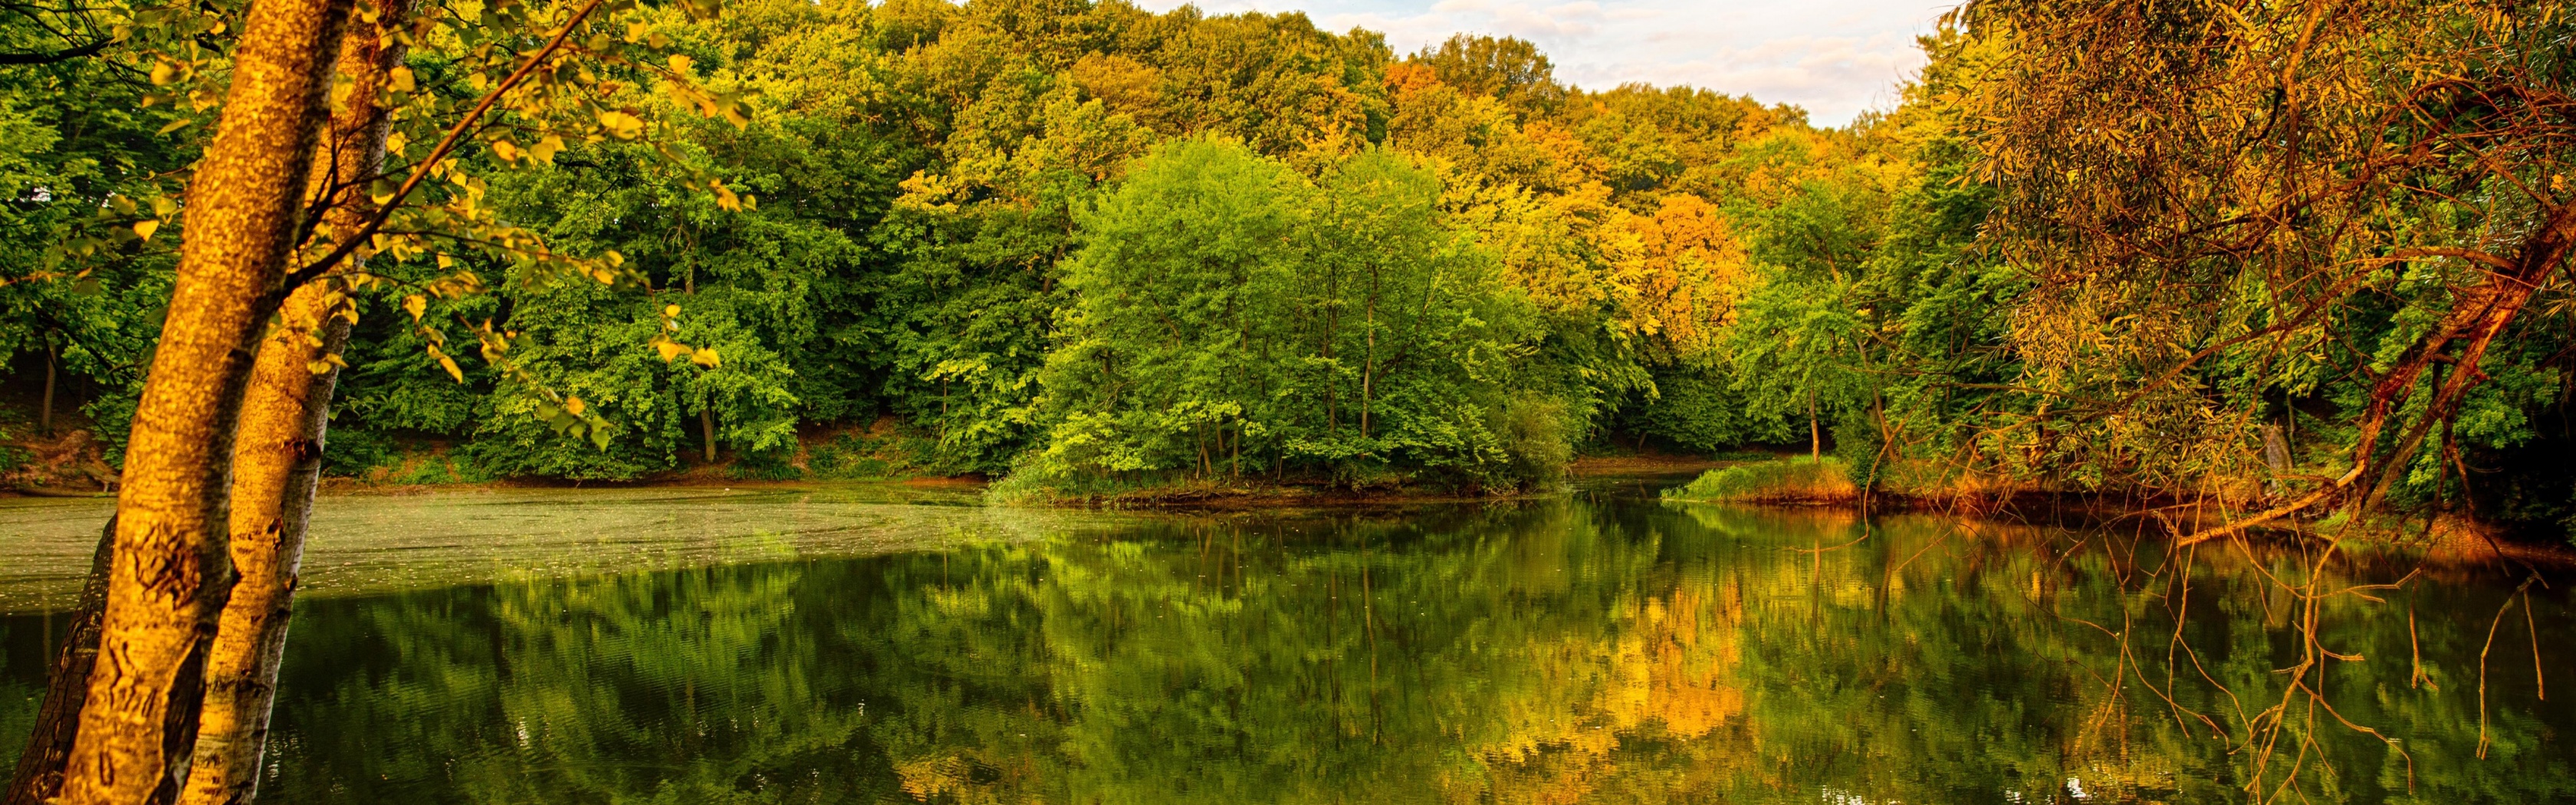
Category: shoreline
[1247,497]
[2449,542]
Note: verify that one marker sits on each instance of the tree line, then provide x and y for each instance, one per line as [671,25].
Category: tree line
[931,198]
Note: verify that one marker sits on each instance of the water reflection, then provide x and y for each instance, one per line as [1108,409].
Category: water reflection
[1552,652]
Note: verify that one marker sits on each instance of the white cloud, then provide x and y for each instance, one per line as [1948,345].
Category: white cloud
[1837,58]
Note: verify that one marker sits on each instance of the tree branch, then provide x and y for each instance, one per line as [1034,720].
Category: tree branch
[81,52]
[420,172]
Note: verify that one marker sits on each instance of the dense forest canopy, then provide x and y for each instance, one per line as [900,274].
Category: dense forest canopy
[1445,266]
[2282,252]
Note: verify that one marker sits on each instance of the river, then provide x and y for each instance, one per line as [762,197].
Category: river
[885,644]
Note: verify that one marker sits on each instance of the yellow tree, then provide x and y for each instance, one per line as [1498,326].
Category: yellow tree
[2207,193]
[1678,273]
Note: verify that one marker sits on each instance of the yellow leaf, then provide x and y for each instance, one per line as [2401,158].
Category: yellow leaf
[574,406]
[680,64]
[144,228]
[621,125]
[399,79]
[705,356]
[545,149]
[452,369]
[671,311]
[415,304]
[506,150]
[669,350]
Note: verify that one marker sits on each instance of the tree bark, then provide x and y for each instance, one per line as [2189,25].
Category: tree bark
[707,430]
[277,459]
[1815,431]
[40,768]
[45,411]
[172,570]
[1368,371]
[277,452]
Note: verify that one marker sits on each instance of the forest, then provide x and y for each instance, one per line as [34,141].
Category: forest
[1079,242]
[2298,266]
[1085,247]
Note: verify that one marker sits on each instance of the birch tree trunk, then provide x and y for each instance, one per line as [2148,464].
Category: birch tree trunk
[277,451]
[172,570]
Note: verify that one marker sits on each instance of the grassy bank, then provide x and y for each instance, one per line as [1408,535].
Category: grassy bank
[1829,481]
[1799,481]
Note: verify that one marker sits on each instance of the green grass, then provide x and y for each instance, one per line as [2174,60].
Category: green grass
[1794,480]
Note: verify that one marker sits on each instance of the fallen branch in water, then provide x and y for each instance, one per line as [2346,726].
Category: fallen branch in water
[2276,512]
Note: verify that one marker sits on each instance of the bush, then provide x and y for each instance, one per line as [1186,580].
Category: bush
[880,454]
[1534,431]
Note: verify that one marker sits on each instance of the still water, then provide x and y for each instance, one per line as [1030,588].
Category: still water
[835,647]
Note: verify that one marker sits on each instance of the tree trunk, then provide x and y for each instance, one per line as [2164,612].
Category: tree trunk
[45,410]
[707,430]
[1815,431]
[277,455]
[277,459]
[1368,369]
[171,571]
[40,767]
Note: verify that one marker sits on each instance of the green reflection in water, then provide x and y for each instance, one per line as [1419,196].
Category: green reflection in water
[1565,651]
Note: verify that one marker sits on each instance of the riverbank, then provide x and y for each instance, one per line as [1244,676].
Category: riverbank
[1250,493]
[1802,482]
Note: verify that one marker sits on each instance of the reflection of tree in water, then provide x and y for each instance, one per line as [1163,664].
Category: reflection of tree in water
[690,686]
[1935,663]
[1551,652]
[25,646]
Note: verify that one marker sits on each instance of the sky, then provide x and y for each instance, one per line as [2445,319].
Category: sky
[1836,58]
